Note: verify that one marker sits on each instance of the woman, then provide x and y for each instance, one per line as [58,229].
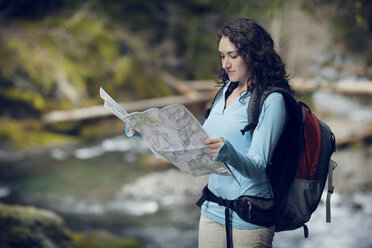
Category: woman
[248,62]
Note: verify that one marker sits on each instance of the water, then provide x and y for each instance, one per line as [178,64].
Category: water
[350,226]
[109,192]
[101,187]
[344,107]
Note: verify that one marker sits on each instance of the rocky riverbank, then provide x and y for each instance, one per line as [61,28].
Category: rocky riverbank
[351,177]
[23,226]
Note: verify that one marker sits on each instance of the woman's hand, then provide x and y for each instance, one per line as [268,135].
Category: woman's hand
[214,145]
[133,131]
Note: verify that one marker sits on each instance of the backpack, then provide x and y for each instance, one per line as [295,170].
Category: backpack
[300,165]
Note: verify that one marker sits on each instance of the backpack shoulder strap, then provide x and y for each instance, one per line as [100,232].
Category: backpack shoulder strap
[218,94]
[254,110]
[256,102]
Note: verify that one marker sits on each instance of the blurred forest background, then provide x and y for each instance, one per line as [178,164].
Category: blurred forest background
[56,54]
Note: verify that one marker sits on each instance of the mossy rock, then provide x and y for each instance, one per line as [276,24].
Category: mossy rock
[96,129]
[102,239]
[32,227]
[27,133]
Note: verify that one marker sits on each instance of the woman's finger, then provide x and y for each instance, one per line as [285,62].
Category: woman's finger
[215,145]
[133,131]
[210,141]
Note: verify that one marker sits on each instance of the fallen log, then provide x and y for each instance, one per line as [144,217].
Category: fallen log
[362,87]
[350,131]
[99,111]
[344,86]
[202,84]
[191,95]
[180,86]
[354,87]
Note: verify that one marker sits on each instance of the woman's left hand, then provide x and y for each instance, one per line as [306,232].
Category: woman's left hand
[214,145]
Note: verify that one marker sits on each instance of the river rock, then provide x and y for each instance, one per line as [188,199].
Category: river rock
[100,239]
[169,187]
[23,226]
[354,170]
[149,160]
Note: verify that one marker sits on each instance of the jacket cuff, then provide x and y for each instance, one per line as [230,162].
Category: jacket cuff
[222,155]
[129,133]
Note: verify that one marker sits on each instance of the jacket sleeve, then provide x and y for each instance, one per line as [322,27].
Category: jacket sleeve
[129,133]
[265,137]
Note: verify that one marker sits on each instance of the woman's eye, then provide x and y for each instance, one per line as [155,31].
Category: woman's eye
[234,56]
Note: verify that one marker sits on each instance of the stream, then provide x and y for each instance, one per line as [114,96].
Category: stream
[99,186]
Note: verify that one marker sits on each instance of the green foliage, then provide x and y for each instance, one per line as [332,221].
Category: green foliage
[30,133]
[145,80]
[69,54]
[57,55]
[58,61]
[10,130]
[20,95]
[122,70]
[101,128]
[351,21]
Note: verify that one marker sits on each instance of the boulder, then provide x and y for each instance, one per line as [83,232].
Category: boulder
[103,239]
[24,226]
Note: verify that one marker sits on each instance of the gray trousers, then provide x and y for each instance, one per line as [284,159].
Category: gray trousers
[213,235]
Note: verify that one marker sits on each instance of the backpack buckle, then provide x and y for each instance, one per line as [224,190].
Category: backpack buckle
[330,191]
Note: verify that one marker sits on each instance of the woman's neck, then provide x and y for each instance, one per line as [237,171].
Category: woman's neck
[242,87]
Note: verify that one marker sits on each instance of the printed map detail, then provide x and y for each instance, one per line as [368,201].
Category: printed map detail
[174,133]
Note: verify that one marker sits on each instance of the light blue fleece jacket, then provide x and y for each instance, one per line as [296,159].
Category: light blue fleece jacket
[246,156]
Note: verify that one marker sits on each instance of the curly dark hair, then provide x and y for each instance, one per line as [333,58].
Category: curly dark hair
[256,47]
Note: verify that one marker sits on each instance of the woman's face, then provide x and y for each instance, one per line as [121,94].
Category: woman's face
[232,62]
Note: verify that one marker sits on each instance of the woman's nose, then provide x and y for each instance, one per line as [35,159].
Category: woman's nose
[226,64]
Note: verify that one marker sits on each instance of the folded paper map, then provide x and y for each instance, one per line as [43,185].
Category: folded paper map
[174,133]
